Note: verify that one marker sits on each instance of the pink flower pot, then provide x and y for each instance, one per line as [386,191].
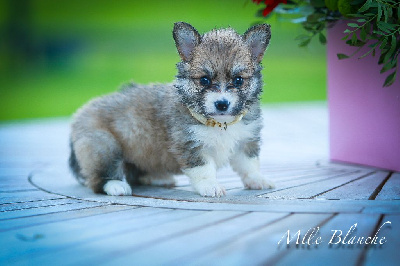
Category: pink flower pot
[364,116]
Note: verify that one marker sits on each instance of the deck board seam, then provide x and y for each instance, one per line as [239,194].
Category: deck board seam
[379,188]
[31,201]
[351,181]
[312,182]
[40,207]
[363,256]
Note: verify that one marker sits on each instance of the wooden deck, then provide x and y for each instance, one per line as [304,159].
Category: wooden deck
[46,218]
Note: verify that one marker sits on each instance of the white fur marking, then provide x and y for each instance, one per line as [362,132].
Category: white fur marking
[203,179]
[117,188]
[212,97]
[219,143]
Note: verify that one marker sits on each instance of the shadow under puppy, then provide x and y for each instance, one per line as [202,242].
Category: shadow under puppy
[208,117]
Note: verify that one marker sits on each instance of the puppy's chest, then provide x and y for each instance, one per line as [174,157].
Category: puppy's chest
[219,143]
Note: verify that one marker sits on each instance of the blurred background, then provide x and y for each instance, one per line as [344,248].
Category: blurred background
[56,55]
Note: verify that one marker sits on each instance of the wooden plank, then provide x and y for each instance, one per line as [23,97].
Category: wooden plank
[285,180]
[310,190]
[174,249]
[236,187]
[15,172]
[388,253]
[17,188]
[358,190]
[332,254]
[15,183]
[26,196]
[257,246]
[391,190]
[36,204]
[80,232]
[226,175]
[303,174]
[297,182]
[384,207]
[138,239]
[13,224]
[72,205]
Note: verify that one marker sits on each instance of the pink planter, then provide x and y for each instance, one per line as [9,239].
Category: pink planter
[364,116]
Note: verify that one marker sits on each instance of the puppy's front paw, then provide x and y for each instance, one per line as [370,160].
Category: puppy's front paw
[207,188]
[258,183]
[117,188]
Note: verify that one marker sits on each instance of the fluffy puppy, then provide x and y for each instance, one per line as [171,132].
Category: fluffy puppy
[208,117]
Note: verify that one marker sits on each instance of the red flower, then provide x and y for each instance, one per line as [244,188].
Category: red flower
[270,5]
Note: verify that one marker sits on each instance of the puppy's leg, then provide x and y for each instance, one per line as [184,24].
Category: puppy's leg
[100,160]
[204,179]
[247,165]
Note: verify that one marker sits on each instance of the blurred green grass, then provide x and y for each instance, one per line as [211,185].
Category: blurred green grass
[110,43]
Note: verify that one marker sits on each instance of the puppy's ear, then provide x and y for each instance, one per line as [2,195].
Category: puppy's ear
[186,39]
[257,38]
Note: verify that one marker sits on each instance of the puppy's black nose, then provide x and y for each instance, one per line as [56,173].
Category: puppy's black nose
[222,105]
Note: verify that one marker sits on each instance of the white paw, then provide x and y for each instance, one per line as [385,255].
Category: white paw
[258,183]
[117,188]
[207,188]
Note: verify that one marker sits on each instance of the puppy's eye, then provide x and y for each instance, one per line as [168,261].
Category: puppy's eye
[205,81]
[238,81]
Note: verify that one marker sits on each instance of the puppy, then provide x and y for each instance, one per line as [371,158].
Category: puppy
[208,117]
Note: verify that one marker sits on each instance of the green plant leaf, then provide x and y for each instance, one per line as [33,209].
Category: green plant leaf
[342,56]
[302,37]
[374,45]
[363,34]
[305,43]
[398,11]
[314,17]
[379,12]
[379,32]
[392,49]
[345,37]
[390,79]
[389,65]
[354,39]
[365,7]
[381,58]
[386,27]
[353,25]
[385,13]
[322,38]
[372,50]
[383,43]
